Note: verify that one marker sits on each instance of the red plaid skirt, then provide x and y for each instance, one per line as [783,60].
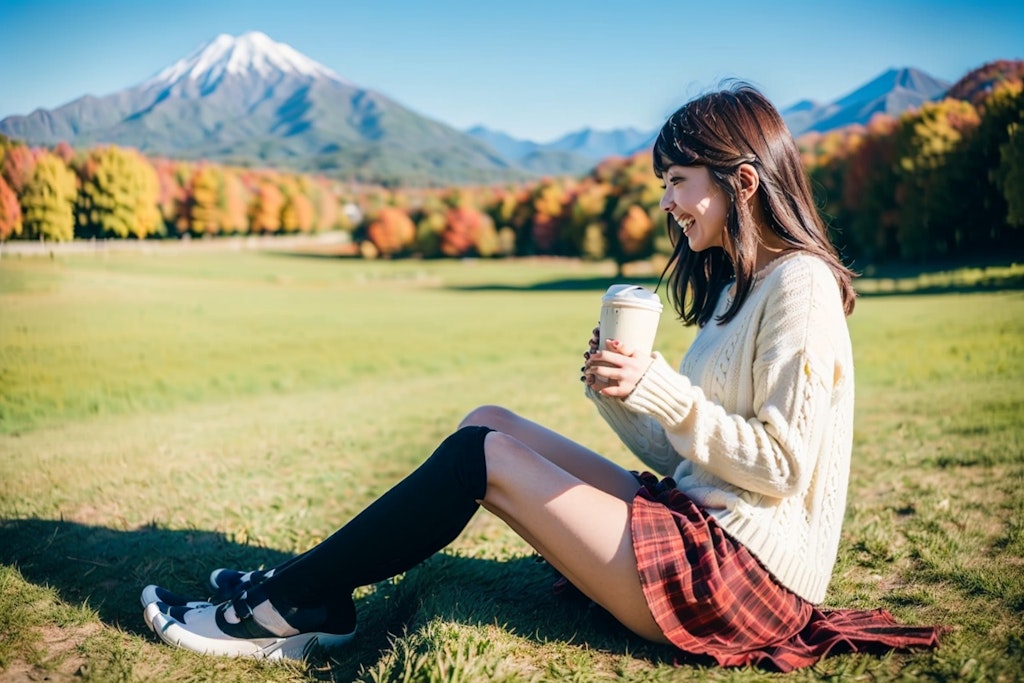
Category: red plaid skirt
[711,596]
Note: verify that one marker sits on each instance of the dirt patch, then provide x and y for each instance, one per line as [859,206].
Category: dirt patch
[61,661]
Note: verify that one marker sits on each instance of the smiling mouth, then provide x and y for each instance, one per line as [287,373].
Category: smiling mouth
[685,224]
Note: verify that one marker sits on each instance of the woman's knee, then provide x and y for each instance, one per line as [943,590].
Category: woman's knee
[507,460]
[497,418]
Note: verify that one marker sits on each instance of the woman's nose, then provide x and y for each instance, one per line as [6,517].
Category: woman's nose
[666,201]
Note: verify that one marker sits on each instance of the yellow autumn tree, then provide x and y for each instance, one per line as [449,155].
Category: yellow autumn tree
[265,207]
[119,194]
[635,234]
[205,201]
[297,210]
[48,200]
[234,204]
[588,227]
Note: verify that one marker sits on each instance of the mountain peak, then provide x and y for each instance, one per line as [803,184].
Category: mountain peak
[905,78]
[251,53]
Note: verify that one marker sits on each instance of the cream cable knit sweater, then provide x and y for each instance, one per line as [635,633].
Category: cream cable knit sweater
[757,425]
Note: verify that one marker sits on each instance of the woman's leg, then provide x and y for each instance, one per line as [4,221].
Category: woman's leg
[583,531]
[577,460]
[574,458]
[310,599]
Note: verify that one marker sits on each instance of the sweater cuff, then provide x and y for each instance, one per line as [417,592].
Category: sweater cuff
[662,393]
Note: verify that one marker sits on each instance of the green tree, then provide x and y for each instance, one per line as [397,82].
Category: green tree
[48,200]
[981,154]
[1009,176]
[931,214]
[429,229]
[119,194]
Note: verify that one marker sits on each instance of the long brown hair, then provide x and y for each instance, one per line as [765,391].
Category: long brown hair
[723,130]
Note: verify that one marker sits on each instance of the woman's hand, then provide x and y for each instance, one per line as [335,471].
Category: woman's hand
[616,370]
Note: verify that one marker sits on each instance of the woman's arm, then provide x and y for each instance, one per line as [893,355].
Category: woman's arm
[642,434]
[801,354]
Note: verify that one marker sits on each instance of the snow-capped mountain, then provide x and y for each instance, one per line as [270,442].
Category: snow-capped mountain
[253,101]
[251,54]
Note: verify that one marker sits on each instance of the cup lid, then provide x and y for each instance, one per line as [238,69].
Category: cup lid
[633,293]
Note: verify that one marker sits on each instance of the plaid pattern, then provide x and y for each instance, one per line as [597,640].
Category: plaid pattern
[711,596]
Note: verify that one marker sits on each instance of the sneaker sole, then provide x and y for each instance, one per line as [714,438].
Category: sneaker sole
[297,647]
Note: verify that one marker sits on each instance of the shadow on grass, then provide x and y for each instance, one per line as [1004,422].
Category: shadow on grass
[107,568]
[598,283]
[335,254]
[886,280]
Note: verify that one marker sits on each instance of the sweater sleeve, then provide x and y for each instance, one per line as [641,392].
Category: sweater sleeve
[642,434]
[795,366]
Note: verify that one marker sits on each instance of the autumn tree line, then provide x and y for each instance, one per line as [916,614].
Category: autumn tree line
[942,182]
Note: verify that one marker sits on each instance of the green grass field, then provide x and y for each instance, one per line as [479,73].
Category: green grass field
[162,414]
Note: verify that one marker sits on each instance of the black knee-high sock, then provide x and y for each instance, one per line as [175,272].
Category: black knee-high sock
[417,517]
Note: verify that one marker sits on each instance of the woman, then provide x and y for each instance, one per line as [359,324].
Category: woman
[729,556]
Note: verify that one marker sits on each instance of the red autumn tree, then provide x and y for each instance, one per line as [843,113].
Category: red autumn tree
[19,164]
[392,232]
[10,212]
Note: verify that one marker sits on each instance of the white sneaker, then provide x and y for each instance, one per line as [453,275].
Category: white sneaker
[217,630]
[227,583]
[159,595]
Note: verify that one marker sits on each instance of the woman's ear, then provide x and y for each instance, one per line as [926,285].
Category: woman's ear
[749,181]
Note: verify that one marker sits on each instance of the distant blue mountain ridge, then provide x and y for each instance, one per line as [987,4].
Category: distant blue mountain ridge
[893,92]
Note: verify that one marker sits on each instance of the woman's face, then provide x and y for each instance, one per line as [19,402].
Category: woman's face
[697,204]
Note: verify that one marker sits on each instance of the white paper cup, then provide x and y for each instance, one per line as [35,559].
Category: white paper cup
[630,314]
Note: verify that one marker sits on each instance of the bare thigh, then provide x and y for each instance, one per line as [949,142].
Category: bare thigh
[574,458]
[582,530]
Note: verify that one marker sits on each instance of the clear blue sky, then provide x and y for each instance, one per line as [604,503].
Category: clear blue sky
[535,69]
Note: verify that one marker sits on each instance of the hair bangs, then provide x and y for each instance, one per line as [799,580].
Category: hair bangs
[670,150]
